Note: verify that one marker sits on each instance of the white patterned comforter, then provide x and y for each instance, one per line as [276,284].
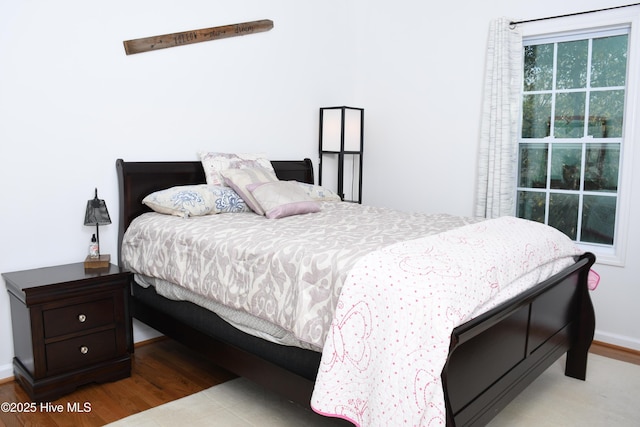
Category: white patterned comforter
[390,337]
[288,272]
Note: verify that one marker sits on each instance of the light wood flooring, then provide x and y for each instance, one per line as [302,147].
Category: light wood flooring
[163,370]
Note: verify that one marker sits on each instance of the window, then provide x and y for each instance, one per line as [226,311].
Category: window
[572,135]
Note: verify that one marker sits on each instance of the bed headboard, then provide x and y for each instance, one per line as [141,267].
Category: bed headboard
[138,179]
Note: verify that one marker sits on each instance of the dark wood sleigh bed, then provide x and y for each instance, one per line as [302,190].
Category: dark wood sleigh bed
[492,358]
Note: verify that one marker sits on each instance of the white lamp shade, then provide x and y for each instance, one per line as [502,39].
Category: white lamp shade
[331,129]
[341,144]
[352,129]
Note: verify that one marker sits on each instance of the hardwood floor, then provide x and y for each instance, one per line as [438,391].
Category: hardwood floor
[163,370]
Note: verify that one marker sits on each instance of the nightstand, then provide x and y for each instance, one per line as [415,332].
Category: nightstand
[71,327]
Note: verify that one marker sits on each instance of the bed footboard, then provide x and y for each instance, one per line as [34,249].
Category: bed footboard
[497,355]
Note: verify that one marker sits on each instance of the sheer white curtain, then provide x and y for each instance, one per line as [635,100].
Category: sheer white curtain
[497,156]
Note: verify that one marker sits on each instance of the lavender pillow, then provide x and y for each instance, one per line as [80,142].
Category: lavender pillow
[280,199]
[239,179]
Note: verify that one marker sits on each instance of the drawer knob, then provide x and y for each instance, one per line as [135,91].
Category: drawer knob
[84,349]
[82,318]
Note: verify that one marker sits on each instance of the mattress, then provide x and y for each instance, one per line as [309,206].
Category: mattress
[239,319]
[279,279]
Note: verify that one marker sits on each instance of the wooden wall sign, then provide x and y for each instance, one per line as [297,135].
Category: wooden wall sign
[196,36]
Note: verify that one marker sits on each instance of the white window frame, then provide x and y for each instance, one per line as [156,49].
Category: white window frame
[587,24]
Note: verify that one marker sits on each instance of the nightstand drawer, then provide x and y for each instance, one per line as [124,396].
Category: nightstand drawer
[71,326]
[78,317]
[81,351]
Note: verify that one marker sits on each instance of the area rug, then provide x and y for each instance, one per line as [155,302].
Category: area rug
[609,397]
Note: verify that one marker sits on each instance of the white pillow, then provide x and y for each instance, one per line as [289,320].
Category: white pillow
[226,200]
[195,200]
[319,193]
[214,163]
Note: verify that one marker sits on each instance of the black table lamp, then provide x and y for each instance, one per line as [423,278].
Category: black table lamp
[96,214]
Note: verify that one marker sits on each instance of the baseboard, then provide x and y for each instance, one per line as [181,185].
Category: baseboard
[617,348]
[6,373]
[150,341]
[617,340]
[142,332]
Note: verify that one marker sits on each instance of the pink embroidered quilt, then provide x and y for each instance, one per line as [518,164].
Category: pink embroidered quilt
[389,339]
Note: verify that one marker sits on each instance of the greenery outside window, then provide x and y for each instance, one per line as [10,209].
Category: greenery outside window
[572,133]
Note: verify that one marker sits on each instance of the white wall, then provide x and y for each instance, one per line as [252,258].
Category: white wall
[71,102]
[420,72]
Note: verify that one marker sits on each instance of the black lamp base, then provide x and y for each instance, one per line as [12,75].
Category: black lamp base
[101,262]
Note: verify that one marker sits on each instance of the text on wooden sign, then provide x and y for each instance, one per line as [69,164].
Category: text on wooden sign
[195,36]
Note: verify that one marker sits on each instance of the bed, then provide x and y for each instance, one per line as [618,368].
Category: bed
[490,359]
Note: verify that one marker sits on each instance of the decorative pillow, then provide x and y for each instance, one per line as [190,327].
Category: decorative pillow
[239,179]
[195,200]
[226,200]
[214,163]
[279,199]
[319,193]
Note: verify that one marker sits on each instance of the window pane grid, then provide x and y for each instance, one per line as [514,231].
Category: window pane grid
[571,135]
